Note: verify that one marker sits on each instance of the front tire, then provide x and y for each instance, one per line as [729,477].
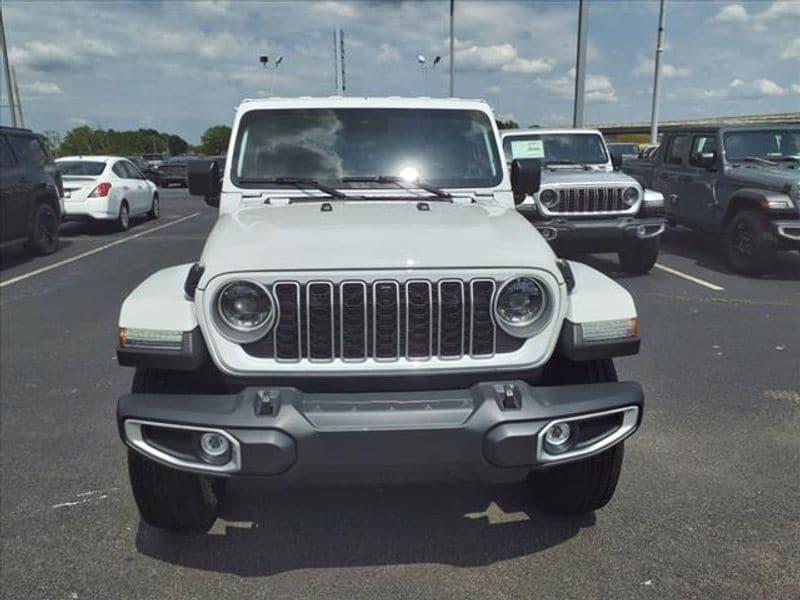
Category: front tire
[639,258]
[588,484]
[751,245]
[124,218]
[167,498]
[155,208]
[43,236]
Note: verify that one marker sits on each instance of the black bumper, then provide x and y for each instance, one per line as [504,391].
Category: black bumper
[489,431]
[599,235]
[788,232]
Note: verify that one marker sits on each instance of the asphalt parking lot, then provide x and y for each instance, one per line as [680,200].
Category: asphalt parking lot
[708,505]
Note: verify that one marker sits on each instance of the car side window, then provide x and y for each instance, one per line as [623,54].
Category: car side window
[678,153]
[6,158]
[28,150]
[119,170]
[133,172]
[702,144]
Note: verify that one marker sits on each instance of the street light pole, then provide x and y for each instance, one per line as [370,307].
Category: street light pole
[452,51]
[657,76]
[580,64]
[11,103]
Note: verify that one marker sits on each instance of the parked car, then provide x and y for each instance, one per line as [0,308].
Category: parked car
[30,191]
[370,303]
[624,150]
[173,170]
[148,170]
[741,183]
[584,205]
[648,150]
[106,188]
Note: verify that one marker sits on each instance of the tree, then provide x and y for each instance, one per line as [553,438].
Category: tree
[510,124]
[215,140]
[85,140]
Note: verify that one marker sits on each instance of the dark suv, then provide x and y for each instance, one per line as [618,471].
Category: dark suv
[30,191]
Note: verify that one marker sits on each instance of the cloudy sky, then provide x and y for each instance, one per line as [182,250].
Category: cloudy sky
[181,66]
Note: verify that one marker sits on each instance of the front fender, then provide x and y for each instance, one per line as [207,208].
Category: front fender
[159,302]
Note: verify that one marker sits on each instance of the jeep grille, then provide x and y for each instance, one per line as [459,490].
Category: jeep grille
[580,200]
[384,320]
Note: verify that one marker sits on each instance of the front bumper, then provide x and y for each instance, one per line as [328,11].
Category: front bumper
[599,235]
[788,230]
[491,431]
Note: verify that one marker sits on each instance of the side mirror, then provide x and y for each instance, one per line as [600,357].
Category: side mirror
[616,161]
[706,160]
[526,177]
[205,180]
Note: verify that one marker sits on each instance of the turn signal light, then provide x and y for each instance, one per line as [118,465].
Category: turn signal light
[101,191]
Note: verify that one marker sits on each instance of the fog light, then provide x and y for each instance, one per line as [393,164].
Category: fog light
[641,231]
[557,435]
[214,444]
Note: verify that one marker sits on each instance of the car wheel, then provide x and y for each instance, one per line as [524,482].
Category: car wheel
[640,257]
[169,499]
[43,236]
[155,209]
[751,245]
[124,218]
[585,485]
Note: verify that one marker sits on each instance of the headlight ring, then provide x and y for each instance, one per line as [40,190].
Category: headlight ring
[244,311]
[521,306]
[630,196]
[548,198]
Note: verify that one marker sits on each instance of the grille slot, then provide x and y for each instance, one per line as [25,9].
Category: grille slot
[482,330]
[353,320]
[287,331]
[452,310]
[589,200]
[419,319]
[319,320]
[386,319]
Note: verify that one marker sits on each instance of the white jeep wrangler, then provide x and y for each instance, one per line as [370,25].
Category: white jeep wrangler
[370,303]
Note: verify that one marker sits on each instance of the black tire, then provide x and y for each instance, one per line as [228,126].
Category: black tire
[169,499]
[43,236]
[751,245]
[155,210]
[640,257]
[585,485]
[123,222]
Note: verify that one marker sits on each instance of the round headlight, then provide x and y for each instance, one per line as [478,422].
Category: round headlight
[630,196]
[520,306]
[245,306]
[548,198]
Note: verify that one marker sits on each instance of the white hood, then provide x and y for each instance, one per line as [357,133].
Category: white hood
[373,235]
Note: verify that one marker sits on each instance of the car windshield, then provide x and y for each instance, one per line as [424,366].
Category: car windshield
[80,167]
[557,148]
[446,148]
[769,144]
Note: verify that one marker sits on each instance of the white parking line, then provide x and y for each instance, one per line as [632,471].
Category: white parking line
[687,277]
[72,259]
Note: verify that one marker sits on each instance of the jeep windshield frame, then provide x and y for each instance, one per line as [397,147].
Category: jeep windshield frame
[443,147]
[577,149]
[768,145]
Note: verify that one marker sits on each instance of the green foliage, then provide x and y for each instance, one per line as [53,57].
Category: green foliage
[215,140]
[510,124]
[85,140]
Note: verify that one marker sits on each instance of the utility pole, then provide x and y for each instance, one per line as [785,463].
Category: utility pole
[20,116]
[341,45]
[580,64]
[657,76]
[335,64]
[8,70]
[452,52]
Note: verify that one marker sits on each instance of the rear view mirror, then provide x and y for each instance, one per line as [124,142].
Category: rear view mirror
[616,160]
[526,177]
[205,180]
[705,160]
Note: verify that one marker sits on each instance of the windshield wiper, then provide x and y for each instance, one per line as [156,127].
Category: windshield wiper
[409,185]
[300,182]
[757,159]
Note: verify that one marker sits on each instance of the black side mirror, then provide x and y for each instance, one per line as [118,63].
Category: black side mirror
[706,160]
[526,177]
[616,161]
[205,180]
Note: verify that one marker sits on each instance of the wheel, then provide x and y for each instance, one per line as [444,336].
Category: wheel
[43,236]
[169,499]
[751,245]
[124,218]
[640,257]
[155,209]
[585,485]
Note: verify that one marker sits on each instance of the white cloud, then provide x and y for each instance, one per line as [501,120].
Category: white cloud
[769,88]
[494,89]
[796,88]
[646,65]
[388,53]
[44,88]
[736,83]
[732,13]
[598,88]
[497,57]
[69,56]
[528,65]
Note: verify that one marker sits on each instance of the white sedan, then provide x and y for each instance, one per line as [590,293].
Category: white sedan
[107,188]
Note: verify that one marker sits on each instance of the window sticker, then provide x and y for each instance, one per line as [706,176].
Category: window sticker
[527,148]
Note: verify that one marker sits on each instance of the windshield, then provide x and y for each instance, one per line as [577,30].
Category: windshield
[557,148]
[80,167]
[445,148]
[770,144]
